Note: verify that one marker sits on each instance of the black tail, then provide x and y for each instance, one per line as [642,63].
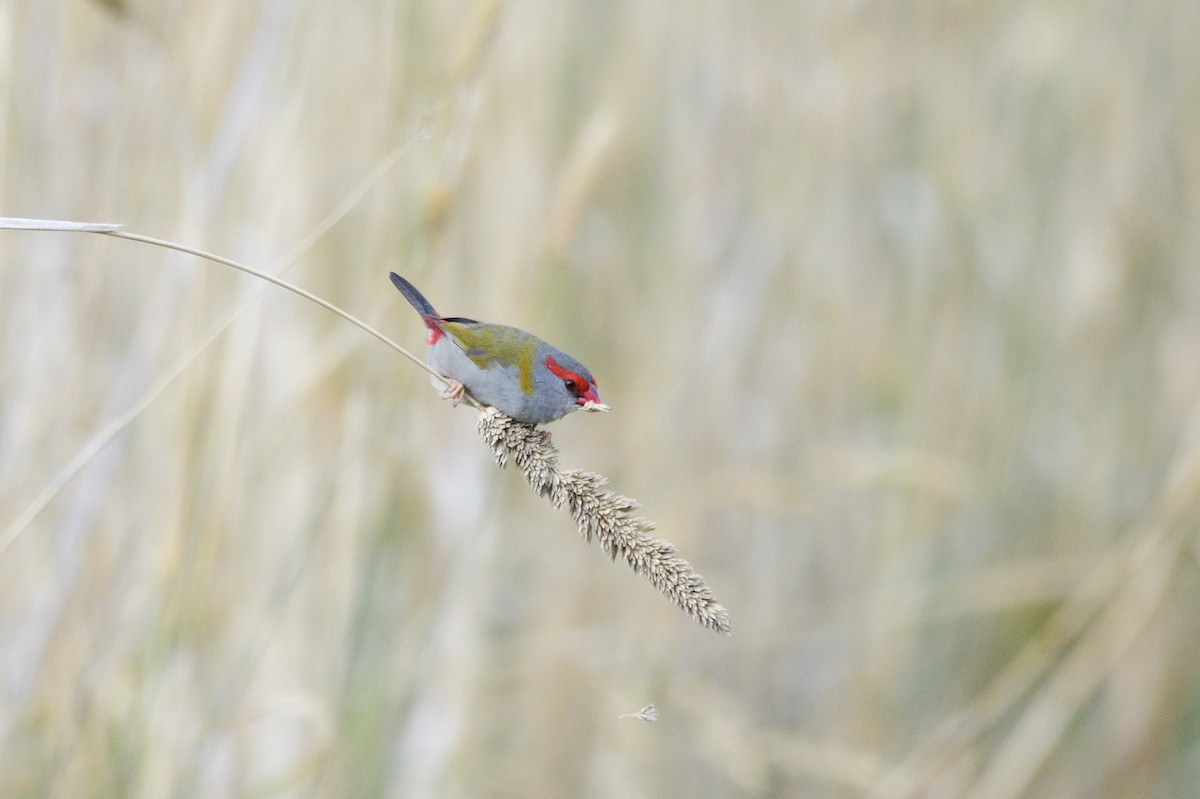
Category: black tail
[412,295]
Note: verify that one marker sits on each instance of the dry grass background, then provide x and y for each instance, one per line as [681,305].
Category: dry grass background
[897,306]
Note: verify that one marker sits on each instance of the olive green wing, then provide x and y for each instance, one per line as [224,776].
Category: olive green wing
[495,345]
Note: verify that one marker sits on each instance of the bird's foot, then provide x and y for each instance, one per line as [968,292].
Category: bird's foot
[454,391]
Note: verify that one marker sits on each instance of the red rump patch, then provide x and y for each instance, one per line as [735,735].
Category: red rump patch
[435,330]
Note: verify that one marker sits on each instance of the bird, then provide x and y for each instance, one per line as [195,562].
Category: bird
[513,371]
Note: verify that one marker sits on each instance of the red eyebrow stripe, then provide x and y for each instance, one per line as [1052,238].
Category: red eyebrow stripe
[565,374]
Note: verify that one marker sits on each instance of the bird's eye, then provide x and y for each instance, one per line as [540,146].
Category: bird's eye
[570,384]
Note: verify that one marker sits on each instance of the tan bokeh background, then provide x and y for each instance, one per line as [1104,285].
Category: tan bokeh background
[897,306]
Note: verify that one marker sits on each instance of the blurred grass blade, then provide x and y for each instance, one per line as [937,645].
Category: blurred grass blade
[16,223]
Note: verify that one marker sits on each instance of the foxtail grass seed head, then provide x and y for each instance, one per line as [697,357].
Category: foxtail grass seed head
[601,514]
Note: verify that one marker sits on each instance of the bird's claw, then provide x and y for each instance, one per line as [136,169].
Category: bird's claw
[454,391]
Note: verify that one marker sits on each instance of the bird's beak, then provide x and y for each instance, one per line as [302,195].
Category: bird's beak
[591,403]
